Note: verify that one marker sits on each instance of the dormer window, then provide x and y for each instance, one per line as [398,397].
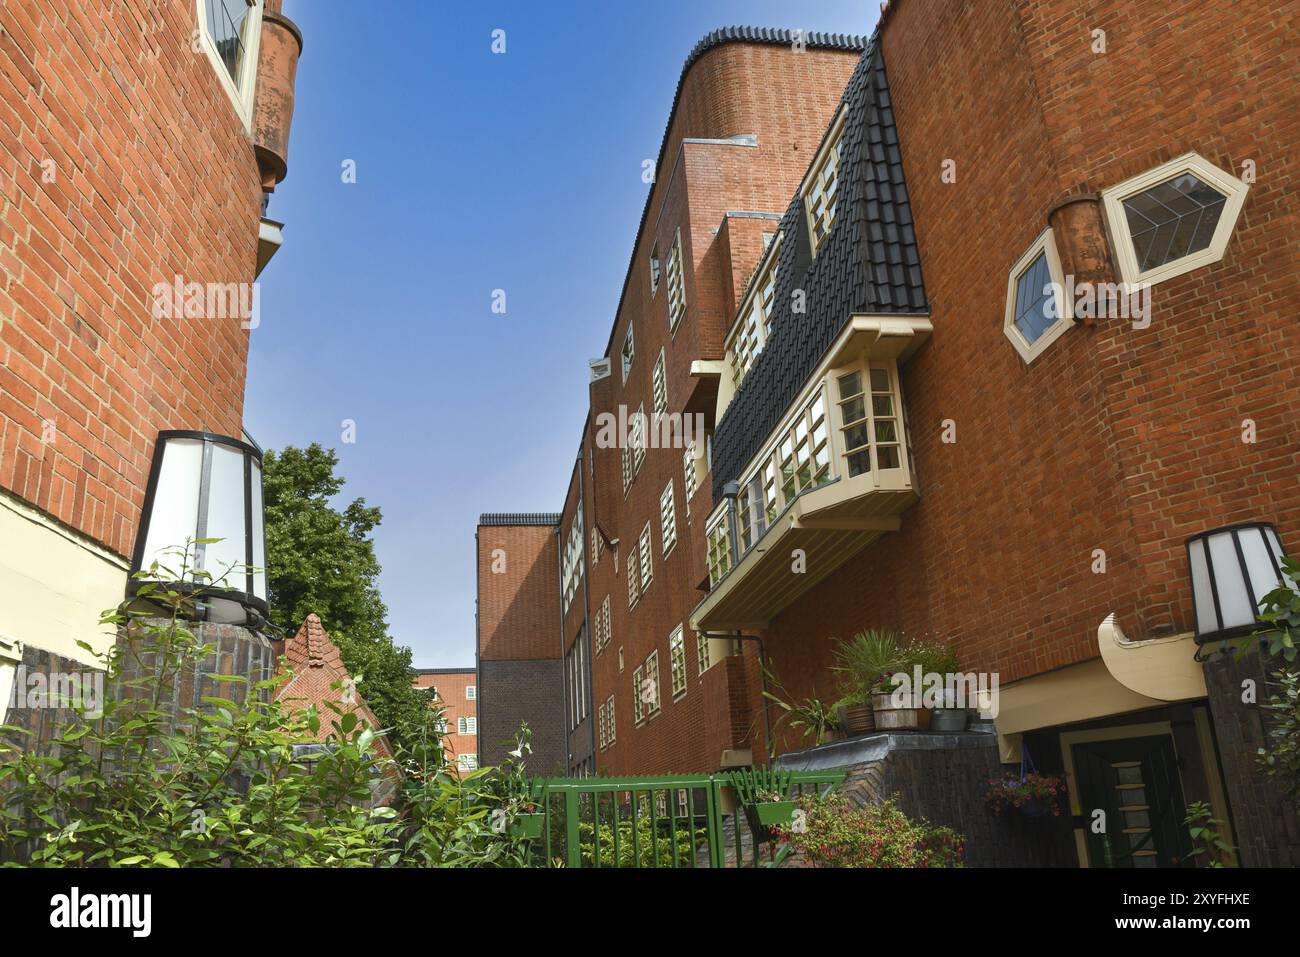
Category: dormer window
[1172,219]
[821,186]
[752,330]
[229,31]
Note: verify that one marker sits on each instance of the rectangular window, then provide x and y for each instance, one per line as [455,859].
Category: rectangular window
[597,547]
[654,269]
[869,420]
[601,626]
[229,32]
[629,353]
[819,192]
[467,725]
[602,734]
[633,579]
[471,693]
[688,475]
[668,518]
[647,564]
[651,685]
[638,701]
[659,387]
[677,658]
[803,455]
[703,654]
[637,438]
[609,718]
[467,762]
[627,468]
[755,323]
[572,571]
[676,284]
[719,548]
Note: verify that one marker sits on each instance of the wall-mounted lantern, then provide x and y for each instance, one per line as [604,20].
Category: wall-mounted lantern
[1233,568]
[205,486]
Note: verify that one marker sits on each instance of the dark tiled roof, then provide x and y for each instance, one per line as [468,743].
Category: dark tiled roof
[445,671]
[771,36]
[519,518]
[868,264]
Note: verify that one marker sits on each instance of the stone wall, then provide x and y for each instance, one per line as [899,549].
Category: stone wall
[943,779]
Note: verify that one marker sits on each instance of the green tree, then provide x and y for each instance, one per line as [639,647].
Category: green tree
[322,560]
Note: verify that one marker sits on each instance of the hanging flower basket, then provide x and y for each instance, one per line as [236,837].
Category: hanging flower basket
[528,826]
[1030,795]
[774,813]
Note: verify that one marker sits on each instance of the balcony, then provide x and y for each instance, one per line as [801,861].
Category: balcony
[832,478]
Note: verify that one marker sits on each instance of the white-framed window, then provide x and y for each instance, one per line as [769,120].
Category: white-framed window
[620,659]
[822,184]
[627,467]
[703,652]
[1172,219]
[654,269]
[609,719]
[637,438]
[869,420]
[602,733]
[442,726]
[650,685]
[467,725]
[719,539]
[668,518]
[11,656]
[467,762]
[638,698]
[755,323]
[572,571]
[230,33]
[597,547]
[677,661]
[633,579]
[689,480]
[659,387]
[646,559]
[601,626]
[1037,312]
[803,456]
[471,693]
[629,352]
[676,284]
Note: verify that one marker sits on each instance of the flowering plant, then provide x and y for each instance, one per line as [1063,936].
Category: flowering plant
[1027,791]
[829,831]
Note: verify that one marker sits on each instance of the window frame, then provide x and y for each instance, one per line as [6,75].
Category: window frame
[241,91]
[703,653]
[659,386]
[471,692]
[645,547]
[652,672]
[675,277]
[1044,244]
[831,142]
[754,299]
[627,354]
[677,662]
[1233,189]
[667,519]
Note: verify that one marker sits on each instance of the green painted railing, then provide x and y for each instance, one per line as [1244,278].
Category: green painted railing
[657,821]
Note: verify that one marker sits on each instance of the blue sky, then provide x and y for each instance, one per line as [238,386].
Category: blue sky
[474,172]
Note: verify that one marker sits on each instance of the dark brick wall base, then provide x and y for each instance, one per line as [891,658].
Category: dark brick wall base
[513,691]
[1265,824]
[943,778]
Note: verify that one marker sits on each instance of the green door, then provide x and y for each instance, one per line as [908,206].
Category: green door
[1135,781]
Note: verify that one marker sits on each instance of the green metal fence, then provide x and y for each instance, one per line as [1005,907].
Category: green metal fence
[658,821]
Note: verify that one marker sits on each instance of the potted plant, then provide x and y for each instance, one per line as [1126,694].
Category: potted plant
[526,821]
[814,718]
[764,795]
[772,808]
[1028,794]
[864,662]
[939,659]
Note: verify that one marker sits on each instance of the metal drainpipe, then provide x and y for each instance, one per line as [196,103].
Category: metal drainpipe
[762,676]
[729,492]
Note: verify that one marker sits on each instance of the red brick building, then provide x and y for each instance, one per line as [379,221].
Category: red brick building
[918,419]
[138,146]
[454,692]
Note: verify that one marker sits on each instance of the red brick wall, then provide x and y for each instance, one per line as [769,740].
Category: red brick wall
[787,99]
[452,700]
[153,176]
[518,608]
[1120,439]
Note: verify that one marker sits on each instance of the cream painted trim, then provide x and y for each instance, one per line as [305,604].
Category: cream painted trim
[833,133]
[1071,738]
[766,261]
[241,93]
[1210,761]
[1080,692]
[1163,668]
[1029,351]
[11,654]
[1117,223]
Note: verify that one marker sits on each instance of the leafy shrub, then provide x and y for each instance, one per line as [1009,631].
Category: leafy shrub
[831,832]
[654,848]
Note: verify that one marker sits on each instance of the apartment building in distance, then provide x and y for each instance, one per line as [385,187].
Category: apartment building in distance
[139,144]
[454,691]
[930,406]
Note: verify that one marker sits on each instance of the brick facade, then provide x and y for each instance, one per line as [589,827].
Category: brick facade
[449,690]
